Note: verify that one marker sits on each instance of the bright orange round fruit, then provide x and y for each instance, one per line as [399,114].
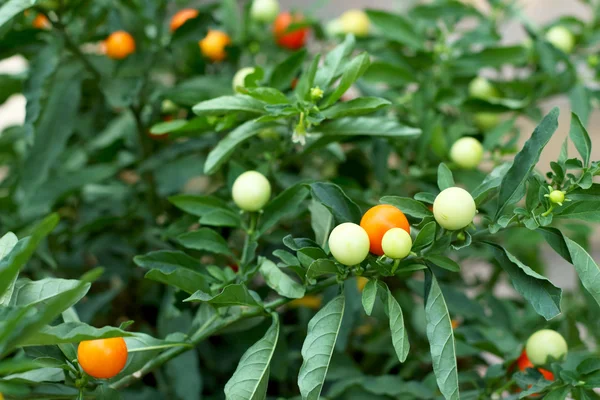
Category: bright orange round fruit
[102,358]
[41,22]
[119,45]
[380,219]
[181,18]
[213,45]
[523,362]
[292,40]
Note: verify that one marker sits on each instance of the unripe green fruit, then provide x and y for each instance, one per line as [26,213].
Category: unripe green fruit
[466,152]
[349,243]
[240,77]
[556,197]
[168,107]
[543,344]
[396,243]
[454,208]
[334,27]
[264,10]
[355,22]
[561,38]
[251,191]
[486,120]
[481,88]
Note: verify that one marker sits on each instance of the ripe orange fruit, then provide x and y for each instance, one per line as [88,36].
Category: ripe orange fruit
[523,362]
[380,219]
[102,358]
[213,45]
[309,301]
[41,22]
[181,18]
[290,40]
[119,45]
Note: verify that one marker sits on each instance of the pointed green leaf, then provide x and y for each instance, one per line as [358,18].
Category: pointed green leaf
[14,7]
[227,104]
[584,210]
[408,206]
[72,332]
[322,266]
[279,281]
[354,70]
[249,381]
[318,347]
[321,220]
[336,201]
[397,329]
[445,178]
[232,295]
[359,106]
[396,27]
[441,338]
[365,126]
[287,202]
[307,80]
[581,139]
[205,239]
[443,262]
[286,71]
[425,237]
[333,65]
[369,295]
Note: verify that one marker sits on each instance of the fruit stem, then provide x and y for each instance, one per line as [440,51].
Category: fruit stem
[395,266]
[546,213]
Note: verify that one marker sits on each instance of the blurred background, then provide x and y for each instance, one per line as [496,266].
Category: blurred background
[538,11]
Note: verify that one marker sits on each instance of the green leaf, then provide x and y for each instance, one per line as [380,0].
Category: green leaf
[334,63]
[20,253]
[367,126]
[535,288]
[227,104]
[471,63]
[174,268]
[14,7]
[408,206]
[268,95]
[7,243]
[287,202]
[307,80]
[336,201]
[445,178]
[227,145]
[72,332]
[28,292]
[369,295]
[322,266]
[221,217]
[391,74]
[232,19]
[587,269]
[358,106]
[249,381]
[488,187]
[443,262]
[441,338]
[197,205]
[182,127]
[580,102]
[318,347]
[583,210]
[205,239]
[287,70]
[425,237]
[511,188]
[395,27]
[232,295]
[321,220]
[397,329]
[581,139]
[279,281]
[355,69]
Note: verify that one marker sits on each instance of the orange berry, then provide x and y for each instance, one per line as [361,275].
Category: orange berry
[181,17]
[213,45]
[41,22]
[523,362]
[292,40]
[102,358]
[119,45]
[380,219]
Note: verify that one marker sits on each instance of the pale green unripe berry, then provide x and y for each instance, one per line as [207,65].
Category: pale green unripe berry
[334,27]
[454,208]
[251,191]
[466,152]
[481,88]
[356,22]
[349,243]
[561,38]
[543,344]
[557,197]
[486,120]
[240,77]
[396,243]
[264,10]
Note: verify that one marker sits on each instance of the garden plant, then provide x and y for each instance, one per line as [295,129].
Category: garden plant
[235,200]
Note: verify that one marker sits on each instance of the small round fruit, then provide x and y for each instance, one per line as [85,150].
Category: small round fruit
[240,77]
[292,40]
[561,38]
[102,358]
[181,17]
[41,22]
[396,243]
[213,45]
[454,208]
[251,191]
[264,10]
[523,362]
[481,88]
[380,219]
[355,22]
[544,344]
[119,45]
[486,120]
[349,244]
[334,27]
[557,197]
[466,152]
[168,107]
[309,301]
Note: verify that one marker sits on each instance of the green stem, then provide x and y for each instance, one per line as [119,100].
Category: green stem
[547,212]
